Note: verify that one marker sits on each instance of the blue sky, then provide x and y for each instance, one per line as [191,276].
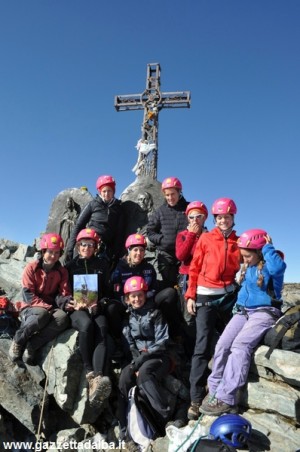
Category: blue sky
[63,61]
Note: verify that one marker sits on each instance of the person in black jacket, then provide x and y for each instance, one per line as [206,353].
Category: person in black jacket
[163,227]
[104,214]
[90,312]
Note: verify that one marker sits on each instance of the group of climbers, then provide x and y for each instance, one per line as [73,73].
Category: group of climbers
[196,302]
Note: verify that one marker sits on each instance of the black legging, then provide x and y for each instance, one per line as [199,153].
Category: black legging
[92,340]
[115,313]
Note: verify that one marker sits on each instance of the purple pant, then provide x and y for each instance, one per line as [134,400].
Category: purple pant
[234,350]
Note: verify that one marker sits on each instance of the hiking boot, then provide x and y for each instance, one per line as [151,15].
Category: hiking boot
[215,407]
[99,387]
[193,411]
[29,355]
[208,398]
[15,351]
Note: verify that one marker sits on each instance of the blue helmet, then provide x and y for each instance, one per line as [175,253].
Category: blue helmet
[232,429]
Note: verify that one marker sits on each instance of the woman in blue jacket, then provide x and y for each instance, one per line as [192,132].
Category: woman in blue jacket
[256,311]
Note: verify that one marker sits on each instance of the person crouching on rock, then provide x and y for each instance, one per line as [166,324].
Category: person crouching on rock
[45,292]
[147,336]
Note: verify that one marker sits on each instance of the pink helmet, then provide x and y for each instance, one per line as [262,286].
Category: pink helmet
[199,205]
[88,233]
[134,240]
[51,241]
[171,182]
[105,180]
[222,206]
[253,239]
[135,283]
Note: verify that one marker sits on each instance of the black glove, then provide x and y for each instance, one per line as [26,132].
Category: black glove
[138,361]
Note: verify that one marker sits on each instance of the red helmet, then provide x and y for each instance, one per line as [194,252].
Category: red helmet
[135,283]
[171,182]
[88,233]
[222,206]
[51,241]
[134,240]
[105,180]
[253,239]
[199,205]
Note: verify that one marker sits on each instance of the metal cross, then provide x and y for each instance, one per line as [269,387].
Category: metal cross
[152,100]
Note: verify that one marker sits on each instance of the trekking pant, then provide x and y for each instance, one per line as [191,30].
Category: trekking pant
[148,380]
[167,266]
[207,319]
[92,339]
[189,321]
[234,350]
[39,326]
[115,313]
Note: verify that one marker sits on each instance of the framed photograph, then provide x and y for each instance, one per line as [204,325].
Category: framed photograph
[85,289]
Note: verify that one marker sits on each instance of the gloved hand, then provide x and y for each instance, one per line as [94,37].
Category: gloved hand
[138,361]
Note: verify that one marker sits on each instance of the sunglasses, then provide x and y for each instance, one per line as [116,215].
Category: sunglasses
[195,217]
[87,245]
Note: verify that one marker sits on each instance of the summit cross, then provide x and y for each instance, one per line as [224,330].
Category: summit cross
[152,100]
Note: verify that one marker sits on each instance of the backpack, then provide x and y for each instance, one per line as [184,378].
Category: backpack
[8,321]
[285,334]
[141,425]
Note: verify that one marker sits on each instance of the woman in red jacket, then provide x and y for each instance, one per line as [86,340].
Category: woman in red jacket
[215,262]
[186,240]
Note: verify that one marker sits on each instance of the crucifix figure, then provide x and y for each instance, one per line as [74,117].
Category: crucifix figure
[152,100]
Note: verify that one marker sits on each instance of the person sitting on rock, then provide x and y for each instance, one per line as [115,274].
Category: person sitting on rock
[135,264]
[88,315]
[255,312]
[45,292]
[147,336]
[105,215]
